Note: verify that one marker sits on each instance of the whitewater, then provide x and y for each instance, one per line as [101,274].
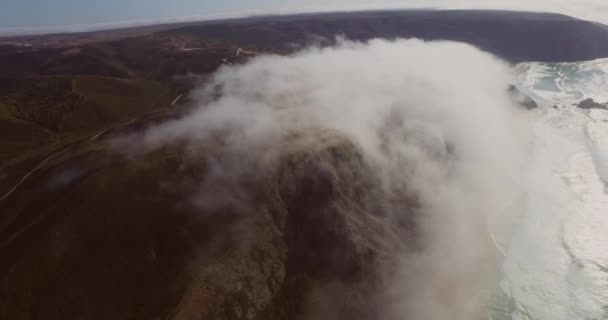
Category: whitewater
[555,264]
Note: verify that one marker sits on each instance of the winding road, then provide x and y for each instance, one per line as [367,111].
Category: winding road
[172,103]
[97,135]
[239,51]
[40,165]
[55,155]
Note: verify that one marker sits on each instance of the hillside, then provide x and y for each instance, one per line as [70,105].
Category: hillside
[93,227]
[103,239]
[513,36]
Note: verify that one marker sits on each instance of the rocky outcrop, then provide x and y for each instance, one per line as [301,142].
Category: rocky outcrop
[521,98]
[317,244]
[591,104]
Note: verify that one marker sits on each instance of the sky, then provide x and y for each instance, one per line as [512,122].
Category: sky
[38,16]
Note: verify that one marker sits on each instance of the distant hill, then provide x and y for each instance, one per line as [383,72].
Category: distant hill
[165,51]
[514,36]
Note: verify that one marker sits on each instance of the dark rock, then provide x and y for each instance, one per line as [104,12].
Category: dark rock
[521,98]
[591,104]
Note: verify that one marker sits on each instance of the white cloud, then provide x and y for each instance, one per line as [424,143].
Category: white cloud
[431,119]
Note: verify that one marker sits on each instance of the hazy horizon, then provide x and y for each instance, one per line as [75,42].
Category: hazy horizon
[27,17]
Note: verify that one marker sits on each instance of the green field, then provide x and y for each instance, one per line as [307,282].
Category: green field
[38,112]
[108,102]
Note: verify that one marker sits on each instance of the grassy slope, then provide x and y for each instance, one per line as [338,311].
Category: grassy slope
[110,101]
[41,115]
[23,105]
